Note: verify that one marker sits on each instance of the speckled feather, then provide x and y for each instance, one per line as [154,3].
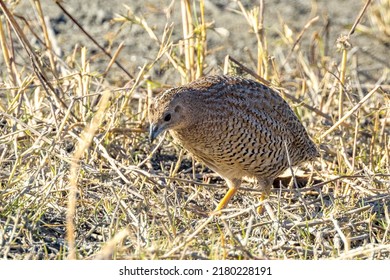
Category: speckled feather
[236,126]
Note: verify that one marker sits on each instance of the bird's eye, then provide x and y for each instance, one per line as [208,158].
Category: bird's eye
[167,117]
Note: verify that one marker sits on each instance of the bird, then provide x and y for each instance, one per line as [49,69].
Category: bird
[236,126]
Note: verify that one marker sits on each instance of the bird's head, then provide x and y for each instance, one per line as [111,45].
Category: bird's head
[167,112]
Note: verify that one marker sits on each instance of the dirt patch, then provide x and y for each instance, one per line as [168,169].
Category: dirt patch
[228,35]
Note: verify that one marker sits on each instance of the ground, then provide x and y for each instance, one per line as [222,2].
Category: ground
[229,34]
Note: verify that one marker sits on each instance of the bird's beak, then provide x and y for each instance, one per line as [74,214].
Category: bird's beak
[154,131]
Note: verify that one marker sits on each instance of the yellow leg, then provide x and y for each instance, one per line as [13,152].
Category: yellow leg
[225,200]
[265,184]
[233,185]
[260,209]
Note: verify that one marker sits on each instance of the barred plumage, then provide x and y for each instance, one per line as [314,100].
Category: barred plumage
[236,126]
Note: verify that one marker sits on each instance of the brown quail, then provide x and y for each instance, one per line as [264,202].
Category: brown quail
[236,126]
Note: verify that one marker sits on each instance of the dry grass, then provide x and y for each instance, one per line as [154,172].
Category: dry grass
[79,179]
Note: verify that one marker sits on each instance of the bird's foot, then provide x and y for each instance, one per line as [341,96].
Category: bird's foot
[216,212]
[260,210]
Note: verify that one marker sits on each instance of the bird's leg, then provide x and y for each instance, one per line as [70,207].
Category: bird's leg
[265,186]
[233,185]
